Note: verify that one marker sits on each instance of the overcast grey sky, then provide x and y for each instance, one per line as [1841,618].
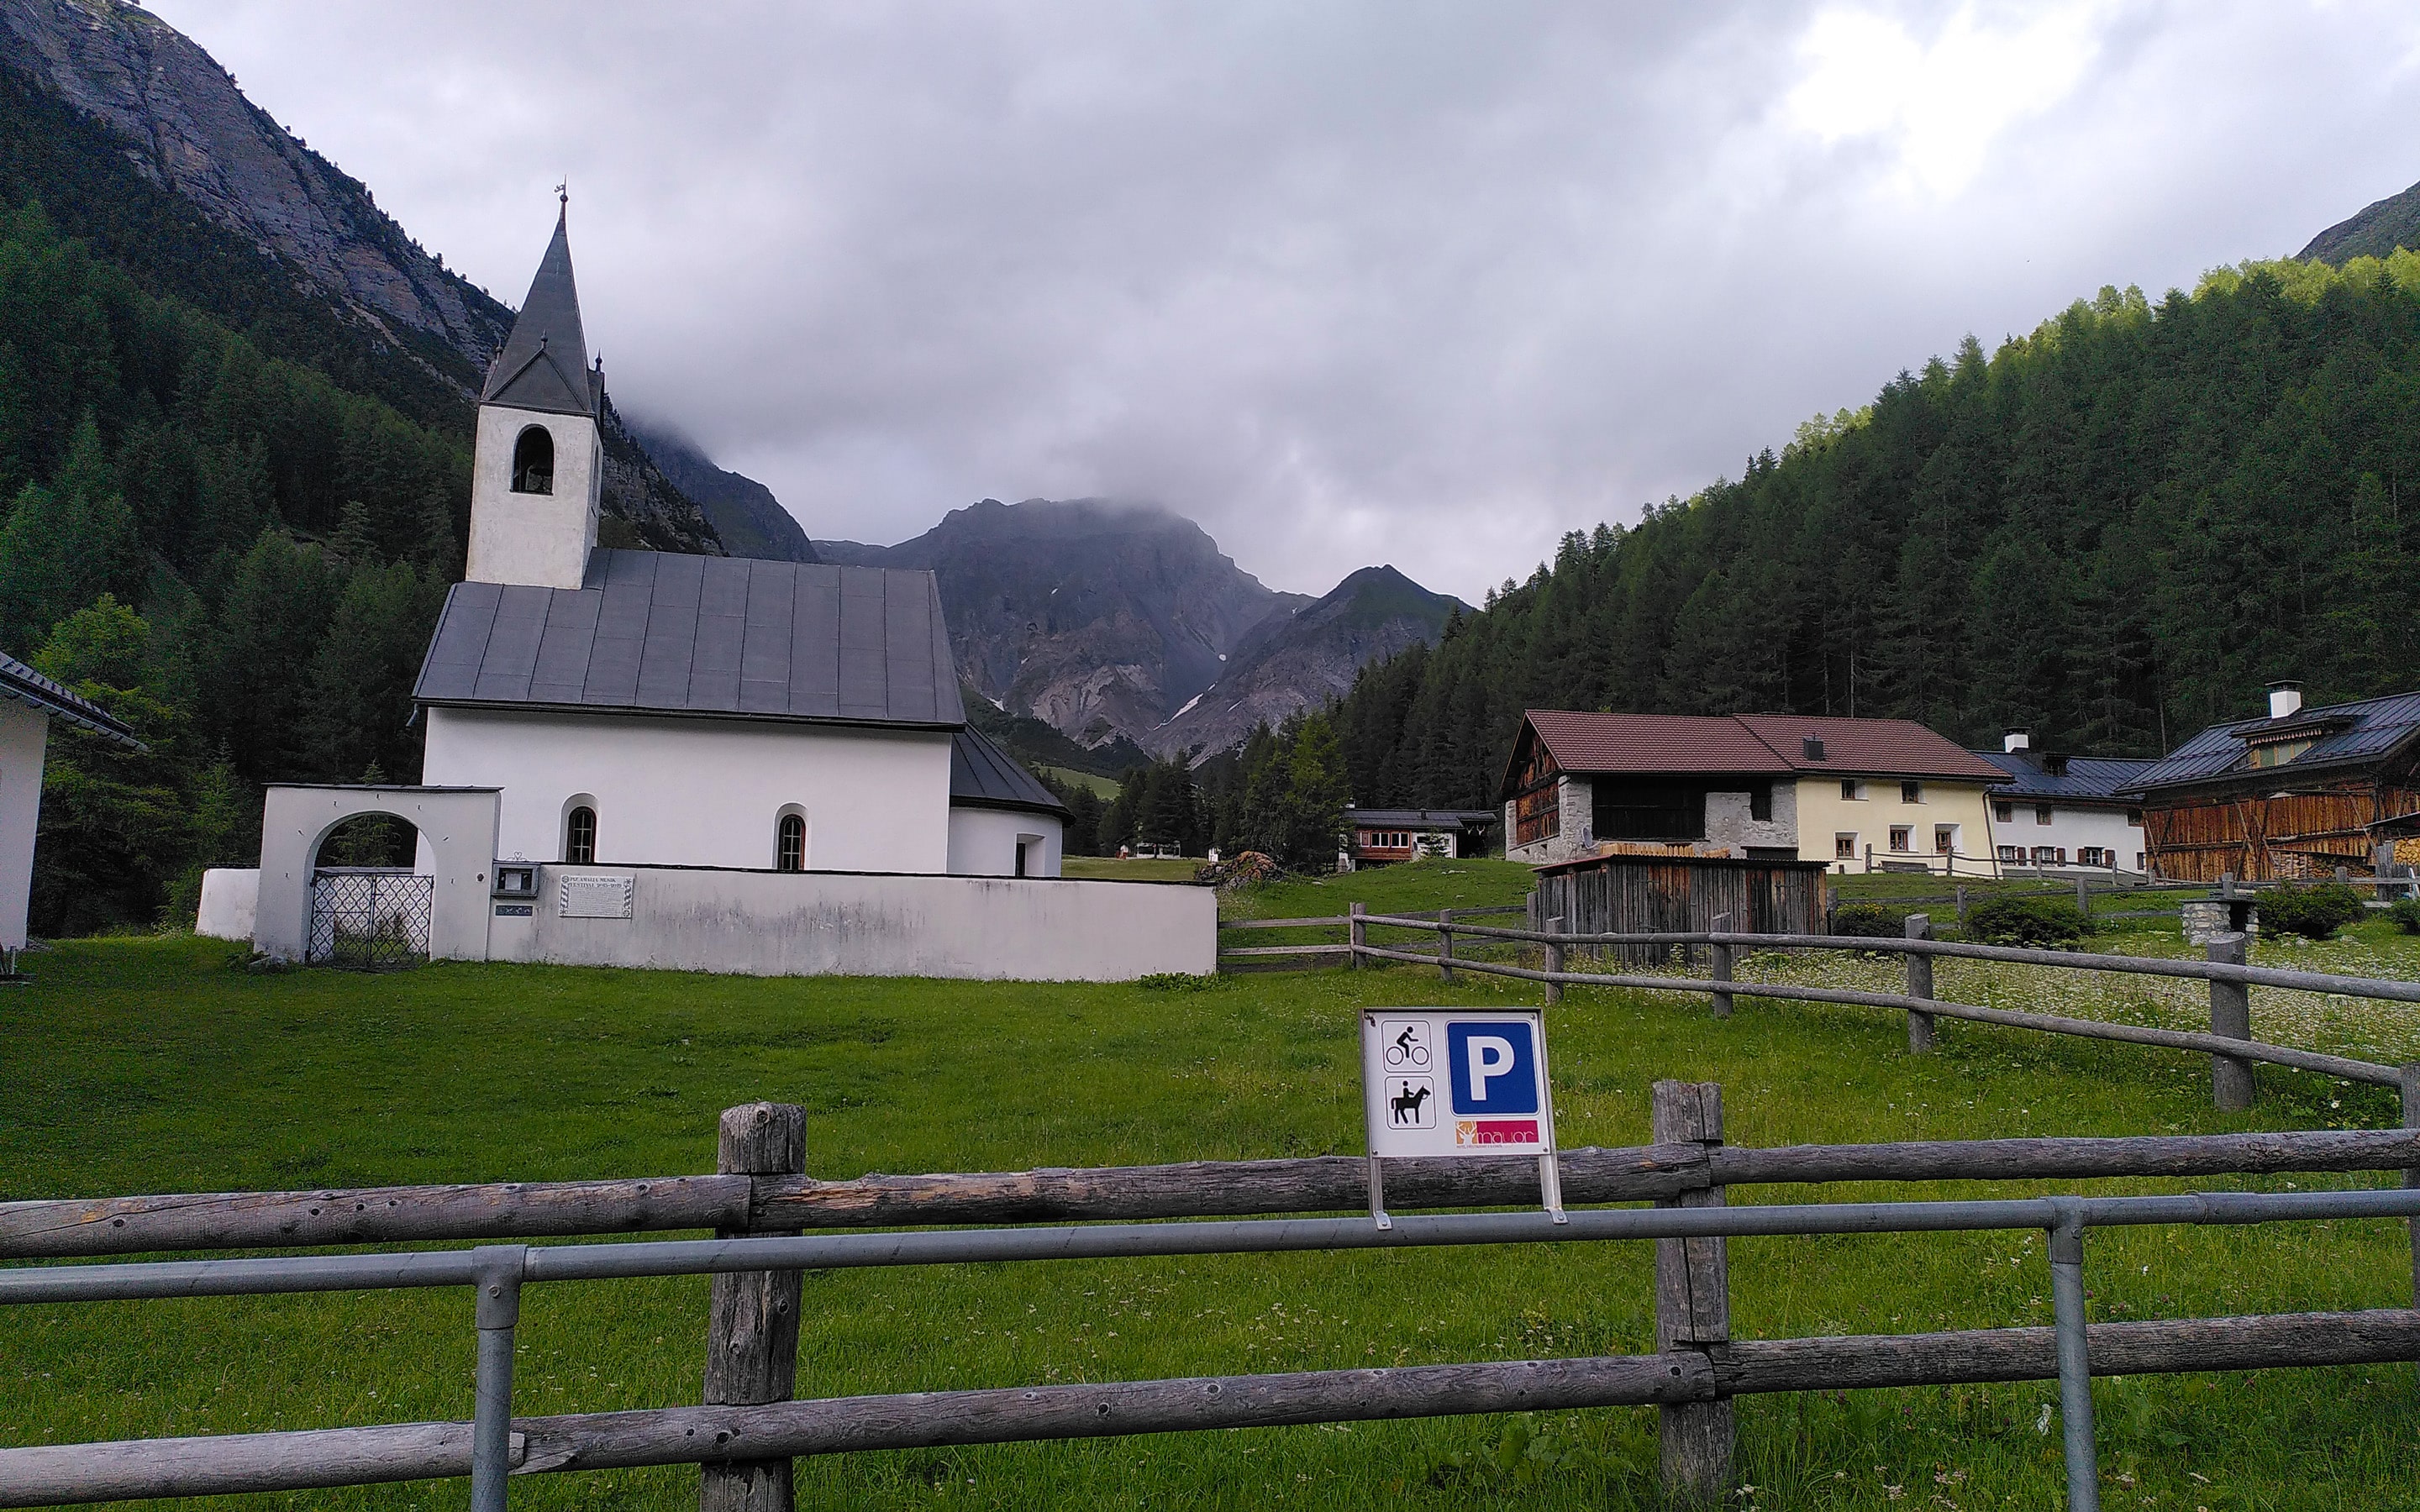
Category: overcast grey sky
[1347,283]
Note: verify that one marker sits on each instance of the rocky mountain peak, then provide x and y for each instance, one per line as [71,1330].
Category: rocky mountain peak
[188,128]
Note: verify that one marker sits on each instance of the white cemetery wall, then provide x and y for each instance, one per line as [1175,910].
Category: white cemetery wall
[776,923]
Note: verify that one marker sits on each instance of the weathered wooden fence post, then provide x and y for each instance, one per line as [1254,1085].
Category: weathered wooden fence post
[1693,1306]
[2410,1076]
[752,1335]
[2084,901]
[1357,934]
[1721,955]
[1960,891]
[1445,946]
[1554,960]
[2230,1014]
[1919,984]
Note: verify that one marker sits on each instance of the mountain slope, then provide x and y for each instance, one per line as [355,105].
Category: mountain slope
[746,517]
[2375,232]
[137,142]
[1099,617]
[1303,659]
[188,128]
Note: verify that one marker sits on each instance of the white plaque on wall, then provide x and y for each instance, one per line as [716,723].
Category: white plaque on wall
[595,896]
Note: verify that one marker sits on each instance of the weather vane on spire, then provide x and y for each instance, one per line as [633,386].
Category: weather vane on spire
[563,192]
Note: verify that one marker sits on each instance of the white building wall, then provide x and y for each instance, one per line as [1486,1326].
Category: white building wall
[983,842]
[230,907]
[23,733]
[536,540]
[676,792]
[2071,828]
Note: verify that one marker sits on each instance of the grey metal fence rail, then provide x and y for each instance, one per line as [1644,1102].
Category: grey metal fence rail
[2229,1041]
[1685,1172]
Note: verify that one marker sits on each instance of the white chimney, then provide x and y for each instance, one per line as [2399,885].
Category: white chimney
[2017,740]
[2284,699]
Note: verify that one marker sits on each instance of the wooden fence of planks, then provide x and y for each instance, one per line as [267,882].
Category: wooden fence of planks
[744,1437]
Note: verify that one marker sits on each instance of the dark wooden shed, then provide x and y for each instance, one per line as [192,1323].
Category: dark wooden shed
[1625,894]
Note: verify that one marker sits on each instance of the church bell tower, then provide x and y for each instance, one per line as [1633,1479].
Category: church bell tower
[537,462]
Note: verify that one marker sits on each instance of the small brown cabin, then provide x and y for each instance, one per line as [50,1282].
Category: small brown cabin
[2296,795]
[1625,894]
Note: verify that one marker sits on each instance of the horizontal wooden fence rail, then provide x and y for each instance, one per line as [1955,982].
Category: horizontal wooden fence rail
[2142,966]
[921,1420]
[73,1228]
[2230,1046]
[2214,1045]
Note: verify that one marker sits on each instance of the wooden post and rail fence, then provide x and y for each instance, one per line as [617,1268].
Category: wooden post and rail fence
[750,1423]
[2228,1042]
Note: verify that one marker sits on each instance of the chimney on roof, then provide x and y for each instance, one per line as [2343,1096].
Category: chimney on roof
[2284,699]
[1813,747]
[2016,740]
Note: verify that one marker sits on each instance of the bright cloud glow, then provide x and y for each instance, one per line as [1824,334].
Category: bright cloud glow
[1938,104]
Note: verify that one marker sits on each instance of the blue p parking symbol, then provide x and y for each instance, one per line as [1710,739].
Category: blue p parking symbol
[1494,1068]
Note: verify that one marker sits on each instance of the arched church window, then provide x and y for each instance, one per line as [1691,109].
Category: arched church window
[790,843]
[579,836]
[533,461]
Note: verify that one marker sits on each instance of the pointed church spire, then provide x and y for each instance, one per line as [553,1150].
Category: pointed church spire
[544,364]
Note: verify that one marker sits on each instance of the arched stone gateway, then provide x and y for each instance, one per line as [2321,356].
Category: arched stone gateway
[457,849]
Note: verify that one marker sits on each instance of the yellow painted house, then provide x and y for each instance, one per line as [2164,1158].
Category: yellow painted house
[1857,794]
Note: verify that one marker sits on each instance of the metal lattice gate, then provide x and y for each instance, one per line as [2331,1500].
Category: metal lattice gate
[369,919]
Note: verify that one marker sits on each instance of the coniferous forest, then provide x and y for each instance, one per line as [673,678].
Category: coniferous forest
[230,520]
[2111,532]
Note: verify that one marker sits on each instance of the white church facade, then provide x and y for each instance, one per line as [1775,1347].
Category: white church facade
[702,762]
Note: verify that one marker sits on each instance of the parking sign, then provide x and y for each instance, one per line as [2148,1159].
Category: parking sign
[1450,1081]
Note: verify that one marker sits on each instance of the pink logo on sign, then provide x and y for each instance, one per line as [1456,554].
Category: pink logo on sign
[1496,1132]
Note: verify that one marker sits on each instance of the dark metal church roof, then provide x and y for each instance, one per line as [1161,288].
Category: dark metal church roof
[544,364]
[655,633]
[983,775]
[22,685]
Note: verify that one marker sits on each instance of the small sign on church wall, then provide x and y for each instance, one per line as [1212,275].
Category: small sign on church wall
[595,896]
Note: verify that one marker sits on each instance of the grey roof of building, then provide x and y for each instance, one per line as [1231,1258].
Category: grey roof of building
[25,686]
[544,364]
[654,633]
[983,775]
[2086,779]
[2348,735]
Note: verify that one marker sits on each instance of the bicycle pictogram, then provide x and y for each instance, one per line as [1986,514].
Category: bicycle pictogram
[1409,1047]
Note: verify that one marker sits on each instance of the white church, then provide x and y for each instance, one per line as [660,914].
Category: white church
[638,758]
[644,707]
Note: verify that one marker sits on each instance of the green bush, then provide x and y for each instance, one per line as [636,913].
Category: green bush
[1868,921]
[2015,918]
[2406,916]
[2314,910]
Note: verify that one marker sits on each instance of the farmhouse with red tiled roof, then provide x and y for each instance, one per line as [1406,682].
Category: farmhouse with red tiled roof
[1856,794]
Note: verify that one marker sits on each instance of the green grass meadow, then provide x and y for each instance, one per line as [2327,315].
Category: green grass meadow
[155,1065]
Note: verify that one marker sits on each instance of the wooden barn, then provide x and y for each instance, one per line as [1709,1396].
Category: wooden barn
[2296,795]
[1632,894]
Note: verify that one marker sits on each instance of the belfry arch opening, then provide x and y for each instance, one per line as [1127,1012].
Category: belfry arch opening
[533,461]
